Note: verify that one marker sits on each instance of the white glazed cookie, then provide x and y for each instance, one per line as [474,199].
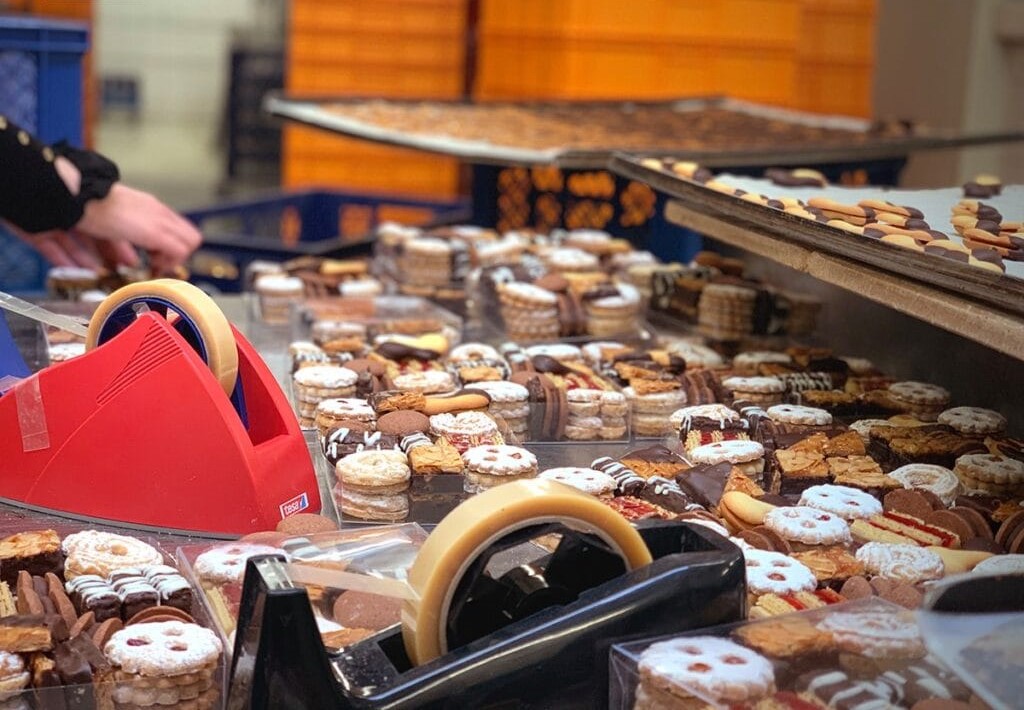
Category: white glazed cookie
[937,479]
[347,408]
[427,382]
[922,393]
[527,294]
[775,573]
[760,385]
[163,648]
[875,634]
[1001,564]
[733,451]
[374,468]
[500,460]
[588,480]
[796,414]
[226,563]
[96,552]
[848,503]
[716,412]
[973,420]
[903,563]
[695,354]
[808,525]
[707,666]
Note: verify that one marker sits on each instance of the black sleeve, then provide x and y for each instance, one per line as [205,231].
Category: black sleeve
[32,194]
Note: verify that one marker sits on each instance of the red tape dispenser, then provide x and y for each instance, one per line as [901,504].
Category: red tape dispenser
[171,420]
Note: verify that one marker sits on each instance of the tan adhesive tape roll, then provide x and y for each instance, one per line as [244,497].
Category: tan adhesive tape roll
[477,524]
[214,329]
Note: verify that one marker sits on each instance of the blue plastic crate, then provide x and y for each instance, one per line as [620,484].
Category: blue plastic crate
[283,226]
[41,91]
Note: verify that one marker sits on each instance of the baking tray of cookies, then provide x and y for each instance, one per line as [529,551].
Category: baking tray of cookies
[991,289]
[867,653]
[715,130]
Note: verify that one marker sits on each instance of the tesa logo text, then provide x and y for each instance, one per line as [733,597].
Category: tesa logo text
[295,505]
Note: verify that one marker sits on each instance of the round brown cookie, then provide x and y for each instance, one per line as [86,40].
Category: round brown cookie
[857,588]
[360,610]
[403,423]
[977,522]
[881,585]
[779,543]
[161,613]
[933,500]
[1009,529]
[755,540]
[908,502]
[265,537]
[982,544]
[950,521]
[306,524]
[102,632]
[905,595]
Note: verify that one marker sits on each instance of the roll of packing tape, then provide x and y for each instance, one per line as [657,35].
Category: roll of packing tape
[219,349]
[480,522]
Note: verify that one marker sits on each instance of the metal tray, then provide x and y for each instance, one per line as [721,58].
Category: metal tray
[856,141]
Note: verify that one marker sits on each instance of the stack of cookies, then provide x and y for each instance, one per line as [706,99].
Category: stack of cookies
[763,391]
[487,466]
[530,313]
[426,261]
[319,382]
[726,311]
[614,314]
[509,403]
[372,485]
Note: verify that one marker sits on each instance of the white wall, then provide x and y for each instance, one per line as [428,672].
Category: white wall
[177,48]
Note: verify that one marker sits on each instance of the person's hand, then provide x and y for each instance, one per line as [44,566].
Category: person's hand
[62,248]
[128,217]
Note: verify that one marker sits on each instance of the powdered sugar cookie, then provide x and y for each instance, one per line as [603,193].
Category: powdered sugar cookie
[96,552]
[875,634]
[760,385]
[584,402]
[325,377]
[989,468]
[848,503]
[796,414]
[1001,564]
[863,427]
[588,480]
[501,460]
[903,563]
[562,352]
[583,428]
[163,648]
[735,451]
[973,420]
[502,392]
[937,479]
[775,573]
[346,408]
[695,354]
[614,404]
[427,382]
[711,668]
[374,470]
[473,351]
[524,294]
[226,563]
[808,525]
[466,429]
[922,393]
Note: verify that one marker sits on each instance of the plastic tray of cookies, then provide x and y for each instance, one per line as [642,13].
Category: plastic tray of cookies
[867,653]
[89,618]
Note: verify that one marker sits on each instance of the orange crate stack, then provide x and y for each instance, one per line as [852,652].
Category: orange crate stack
[837,55]
[386,48]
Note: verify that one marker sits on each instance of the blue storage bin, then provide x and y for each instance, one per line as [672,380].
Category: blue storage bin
[283,226]
[41,91]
